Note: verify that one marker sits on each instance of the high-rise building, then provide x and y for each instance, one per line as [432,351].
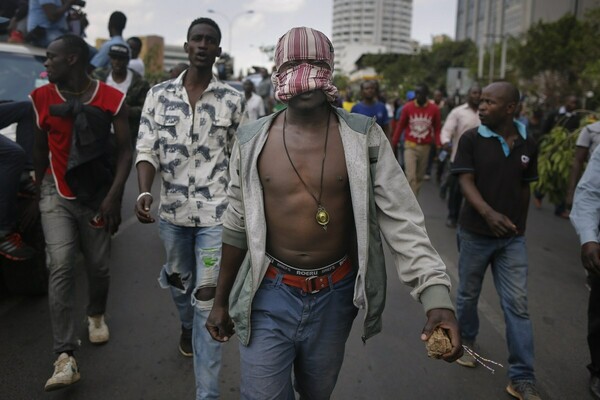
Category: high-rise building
[369,26]
[486,21]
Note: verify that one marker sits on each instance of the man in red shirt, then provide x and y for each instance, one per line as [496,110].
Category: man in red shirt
[80,190]
[420,119]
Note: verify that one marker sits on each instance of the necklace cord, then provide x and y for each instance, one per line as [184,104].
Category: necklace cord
[77,93]
[322,162]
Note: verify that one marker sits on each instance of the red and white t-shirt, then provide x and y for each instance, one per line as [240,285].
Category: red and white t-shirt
[422,124]
[60,129]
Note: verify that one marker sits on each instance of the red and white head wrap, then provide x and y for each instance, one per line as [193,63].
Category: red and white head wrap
[303,45]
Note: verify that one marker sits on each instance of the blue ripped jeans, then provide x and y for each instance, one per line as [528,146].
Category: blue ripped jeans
[193,261]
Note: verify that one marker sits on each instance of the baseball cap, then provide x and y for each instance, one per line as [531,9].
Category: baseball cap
[118,51]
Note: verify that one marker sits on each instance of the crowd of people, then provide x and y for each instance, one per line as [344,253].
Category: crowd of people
[319,181]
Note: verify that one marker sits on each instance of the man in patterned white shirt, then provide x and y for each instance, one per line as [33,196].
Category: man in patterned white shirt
[186,132]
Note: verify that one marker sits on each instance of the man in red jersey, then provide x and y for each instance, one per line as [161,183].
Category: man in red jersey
[422,122]
[80,190]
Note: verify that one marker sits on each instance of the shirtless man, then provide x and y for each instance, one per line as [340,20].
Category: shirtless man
[301,188]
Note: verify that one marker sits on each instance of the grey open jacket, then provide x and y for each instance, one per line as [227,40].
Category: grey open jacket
[385,206]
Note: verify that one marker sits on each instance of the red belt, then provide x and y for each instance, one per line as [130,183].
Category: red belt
[312,284]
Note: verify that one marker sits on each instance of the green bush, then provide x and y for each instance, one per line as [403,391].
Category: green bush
[557,150]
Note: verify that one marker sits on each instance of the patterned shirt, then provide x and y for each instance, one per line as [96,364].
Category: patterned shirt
[191,148]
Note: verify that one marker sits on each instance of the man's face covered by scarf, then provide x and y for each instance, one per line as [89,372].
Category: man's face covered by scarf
[304,62]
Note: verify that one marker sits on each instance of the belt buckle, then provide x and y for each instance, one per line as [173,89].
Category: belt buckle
[310,286]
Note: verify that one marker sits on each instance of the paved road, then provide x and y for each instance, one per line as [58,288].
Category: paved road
[141,360]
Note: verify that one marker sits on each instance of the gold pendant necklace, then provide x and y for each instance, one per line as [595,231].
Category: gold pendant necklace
[322,216]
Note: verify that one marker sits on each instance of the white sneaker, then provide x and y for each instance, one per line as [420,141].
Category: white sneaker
[97,329]
[65,373]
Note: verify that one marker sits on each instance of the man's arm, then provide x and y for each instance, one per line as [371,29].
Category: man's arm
[402,224]
[500,224]
[219,323]
[40,165]
[40,156]
[449,130]
[400,126]
[585,215]
[110,208]
[147,161]
[145,172]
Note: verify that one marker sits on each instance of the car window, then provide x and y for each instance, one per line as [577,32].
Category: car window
[19,75]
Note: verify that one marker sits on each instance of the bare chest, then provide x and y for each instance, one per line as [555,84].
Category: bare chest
[306,166]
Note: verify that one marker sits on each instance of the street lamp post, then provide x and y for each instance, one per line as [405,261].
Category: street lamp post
[230,24]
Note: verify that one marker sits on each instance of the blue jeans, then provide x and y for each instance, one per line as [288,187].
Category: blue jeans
[67,231]
[193,260]
[508,259]
[293,328]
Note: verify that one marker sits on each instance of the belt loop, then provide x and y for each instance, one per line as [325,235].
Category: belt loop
[330,279]
[278,278]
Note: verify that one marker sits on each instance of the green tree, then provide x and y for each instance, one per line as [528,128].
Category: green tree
[429,66]
[558,58]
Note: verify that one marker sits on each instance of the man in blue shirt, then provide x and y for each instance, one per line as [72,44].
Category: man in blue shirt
[47,20]
[585,217]
[116,25]
[372,107]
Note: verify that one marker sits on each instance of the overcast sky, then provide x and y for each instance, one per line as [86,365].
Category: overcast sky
[270,19]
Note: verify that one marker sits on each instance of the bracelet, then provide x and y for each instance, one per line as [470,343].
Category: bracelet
[142,195]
